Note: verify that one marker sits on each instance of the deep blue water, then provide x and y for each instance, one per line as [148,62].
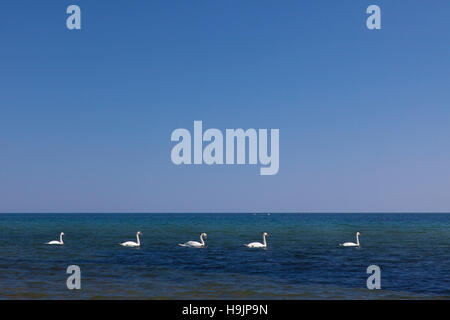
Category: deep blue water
[303,259]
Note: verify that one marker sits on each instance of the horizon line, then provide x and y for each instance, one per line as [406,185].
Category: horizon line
[229,212]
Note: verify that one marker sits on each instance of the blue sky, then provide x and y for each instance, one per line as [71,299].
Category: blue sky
[86,116]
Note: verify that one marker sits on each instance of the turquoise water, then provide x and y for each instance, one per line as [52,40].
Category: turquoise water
[303,259]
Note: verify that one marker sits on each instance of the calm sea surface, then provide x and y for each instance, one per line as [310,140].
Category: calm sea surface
[303,259]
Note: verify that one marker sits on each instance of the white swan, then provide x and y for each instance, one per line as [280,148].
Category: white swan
[195,244]
[258,244]
[352,244]
[56,241]
[132,243]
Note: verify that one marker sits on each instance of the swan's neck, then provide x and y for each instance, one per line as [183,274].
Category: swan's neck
[60,238]
[264,240]
[137,238]
[357,239]
[201,239]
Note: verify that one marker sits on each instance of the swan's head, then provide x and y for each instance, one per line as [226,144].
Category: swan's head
[358,233]
[205,235]
[139,233]
[62,233]
[265,234]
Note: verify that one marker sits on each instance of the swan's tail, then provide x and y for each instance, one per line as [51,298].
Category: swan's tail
[182,244]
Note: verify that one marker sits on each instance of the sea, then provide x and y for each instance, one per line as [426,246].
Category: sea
[303,258]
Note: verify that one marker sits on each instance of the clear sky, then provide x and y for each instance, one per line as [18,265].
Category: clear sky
[86,116]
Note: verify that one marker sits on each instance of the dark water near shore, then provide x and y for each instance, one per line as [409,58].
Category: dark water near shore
[303,259]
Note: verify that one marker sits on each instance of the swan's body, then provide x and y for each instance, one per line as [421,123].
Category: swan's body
[258,244]
[60,242]
[195,244]
[352,244]
[132,243]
